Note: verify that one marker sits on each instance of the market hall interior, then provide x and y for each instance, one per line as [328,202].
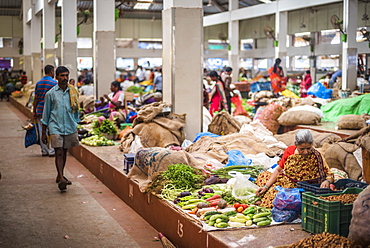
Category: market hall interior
[34,213]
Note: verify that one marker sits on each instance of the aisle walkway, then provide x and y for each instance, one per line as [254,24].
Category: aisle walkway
[34,213]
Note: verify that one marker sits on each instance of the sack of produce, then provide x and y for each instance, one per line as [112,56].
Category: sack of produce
[293,118]
[288,199]
[359,229]
[355,122]
[270,115]
[284,215]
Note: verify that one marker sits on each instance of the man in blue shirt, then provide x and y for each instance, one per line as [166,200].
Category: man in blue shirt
[61,116]
[43,86]
[158,82]
[334,77]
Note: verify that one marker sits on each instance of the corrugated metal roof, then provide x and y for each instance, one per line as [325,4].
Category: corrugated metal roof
[13,7]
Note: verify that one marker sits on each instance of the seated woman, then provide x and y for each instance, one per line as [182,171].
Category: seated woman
[116,103]
[300,162]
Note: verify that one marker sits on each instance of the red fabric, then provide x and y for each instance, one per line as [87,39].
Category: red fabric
[305,85]
[239,110]
[289,151]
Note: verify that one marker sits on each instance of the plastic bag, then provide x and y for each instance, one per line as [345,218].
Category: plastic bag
[319,90]
[243,188]
[288,199]
[32,136]
[200,135]
[236,157]
[284,215]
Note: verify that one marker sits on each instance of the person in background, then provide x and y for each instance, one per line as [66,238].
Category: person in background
[305,84]
[334,77]
[42,87]
[72,82]
[24,78]
[157,85]
[139,74]
[300,162]
[116,103]
[87,89]
[61,116]
[226,78]
[8,89]
[276,74]
[5,76]
[218,98]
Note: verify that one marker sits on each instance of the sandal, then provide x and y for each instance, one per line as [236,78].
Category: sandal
[62,185]
[68,182]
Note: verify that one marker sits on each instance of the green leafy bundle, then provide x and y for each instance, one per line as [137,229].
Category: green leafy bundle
[106,126]
[183,176]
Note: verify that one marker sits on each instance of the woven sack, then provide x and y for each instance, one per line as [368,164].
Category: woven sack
[359,229]
[293,118]
[270,115]
[355,122]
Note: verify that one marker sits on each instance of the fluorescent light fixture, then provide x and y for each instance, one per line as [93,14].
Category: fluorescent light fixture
[60,3]
[142,5]
[265,1]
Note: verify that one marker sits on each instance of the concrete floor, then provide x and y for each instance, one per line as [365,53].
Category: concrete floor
[34,213]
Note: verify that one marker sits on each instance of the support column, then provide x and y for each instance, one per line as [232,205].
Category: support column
[16,63]
[36,46]
[281,27]
[349,49]
[27,6]
[48,32]
[69,38]
[233,30]
[104,46]
[183,53]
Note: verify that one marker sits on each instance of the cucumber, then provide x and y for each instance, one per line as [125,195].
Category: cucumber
[221,225]
[248,223]
[261,215]
[264,223]
[230,213]
[260,219]
[219,220]
[221,216]
[211,213]
[211,223]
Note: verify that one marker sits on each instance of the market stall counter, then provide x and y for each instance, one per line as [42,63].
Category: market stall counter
[106,163]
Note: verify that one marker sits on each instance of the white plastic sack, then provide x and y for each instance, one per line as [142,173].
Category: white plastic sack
[136,145]
[186,143]
[308,108]
[263,160]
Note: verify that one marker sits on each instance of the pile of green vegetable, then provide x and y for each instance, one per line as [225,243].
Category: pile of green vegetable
[106,126]
[178,176]
[135,89]
[252,170]
[97,140]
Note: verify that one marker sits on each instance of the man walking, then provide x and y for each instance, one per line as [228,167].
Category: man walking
[61,117]
[42,87]
[226,78]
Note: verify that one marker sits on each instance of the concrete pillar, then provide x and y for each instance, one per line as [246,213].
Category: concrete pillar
[36,46]
[69,38]
[281,27]
[27,6]
[104,46]
[233,34]
[182,60]
[349,50]
[48,32]
[17,63]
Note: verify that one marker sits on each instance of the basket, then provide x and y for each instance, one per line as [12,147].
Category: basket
[320,216]
[242,86]
[258,86]
[340,185]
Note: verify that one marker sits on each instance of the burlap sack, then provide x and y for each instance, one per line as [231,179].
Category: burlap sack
[150,161]
[270,115]
[160,132]
[293,118]
[306,101]
[319,138]
[359,229]
[216,148]
[355,122]
[340,156]
[223,123]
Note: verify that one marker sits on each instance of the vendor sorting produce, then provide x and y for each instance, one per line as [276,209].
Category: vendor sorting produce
[300,162]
